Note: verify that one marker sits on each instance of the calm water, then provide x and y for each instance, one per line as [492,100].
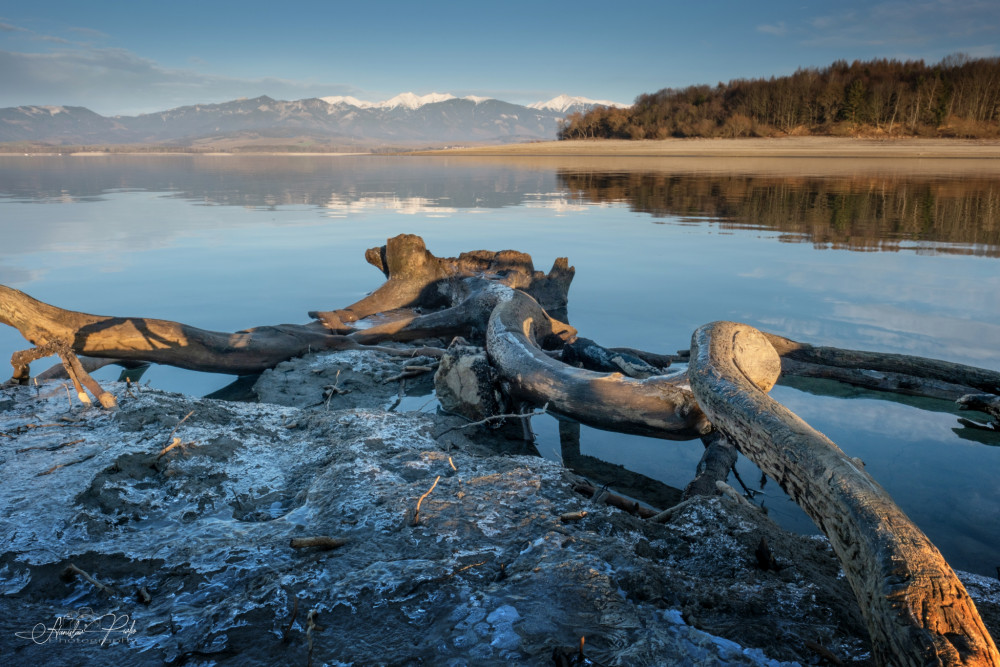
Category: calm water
[880,259]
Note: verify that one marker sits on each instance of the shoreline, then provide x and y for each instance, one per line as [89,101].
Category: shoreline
[782,147]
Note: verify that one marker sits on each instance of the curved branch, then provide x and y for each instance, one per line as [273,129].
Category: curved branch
[655,406]
[917,611]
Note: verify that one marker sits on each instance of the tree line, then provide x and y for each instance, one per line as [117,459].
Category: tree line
[958,97]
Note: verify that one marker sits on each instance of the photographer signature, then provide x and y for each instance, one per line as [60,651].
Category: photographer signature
[83,625]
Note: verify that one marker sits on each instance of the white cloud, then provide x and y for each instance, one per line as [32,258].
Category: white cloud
[942,25]
[114,81]
[777,29]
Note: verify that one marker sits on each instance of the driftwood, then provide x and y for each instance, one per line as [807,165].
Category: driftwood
[656,406]
[917,612]
[415,277]
[902,373]
[916,609]
[988,403]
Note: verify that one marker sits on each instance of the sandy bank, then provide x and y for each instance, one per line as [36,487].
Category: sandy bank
[813,147]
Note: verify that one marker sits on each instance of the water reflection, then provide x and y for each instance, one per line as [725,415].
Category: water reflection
[863,212]
[230,242]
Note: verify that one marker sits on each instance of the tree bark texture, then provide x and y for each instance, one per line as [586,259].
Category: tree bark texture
[916,609]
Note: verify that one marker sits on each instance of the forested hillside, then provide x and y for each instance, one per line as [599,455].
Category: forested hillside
[958,97]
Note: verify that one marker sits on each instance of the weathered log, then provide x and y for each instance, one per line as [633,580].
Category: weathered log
[896,383]
[715,465]
[916,609]
[656,406]
[661,361]
[945,371]
[474,301]
[415,277]
[162,341]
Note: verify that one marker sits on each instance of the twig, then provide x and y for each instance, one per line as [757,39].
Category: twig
[176,444]
[321,542]
[568,517]
[419,368]
[746,490]
[310,626]
[24,428]
[51,448]
[64,465]
[404,352]
[74,570]
[452,464]
[409,372]
[536,413]
[416,514]
[332,390]
[177,426]
[668,513]
[526,431]
[426,403]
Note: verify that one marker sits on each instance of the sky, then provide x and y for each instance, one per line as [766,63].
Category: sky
[126,58]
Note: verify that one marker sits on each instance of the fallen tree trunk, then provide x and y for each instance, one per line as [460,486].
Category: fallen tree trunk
[896,383]
[161,341]
[917,611]
[656,406]
[881,362]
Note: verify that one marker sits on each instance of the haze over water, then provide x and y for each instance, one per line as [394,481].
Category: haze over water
[881,260]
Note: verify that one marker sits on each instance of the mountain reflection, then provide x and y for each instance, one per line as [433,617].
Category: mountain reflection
[864,213]
[340,184]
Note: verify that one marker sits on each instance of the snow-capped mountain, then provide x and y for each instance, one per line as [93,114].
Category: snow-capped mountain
[407,100]
[567,104]
[406,118]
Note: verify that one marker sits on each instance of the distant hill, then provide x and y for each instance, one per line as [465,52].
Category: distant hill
[405,119]
[958,97]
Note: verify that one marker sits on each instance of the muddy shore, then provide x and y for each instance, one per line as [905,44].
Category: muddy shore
[188,557]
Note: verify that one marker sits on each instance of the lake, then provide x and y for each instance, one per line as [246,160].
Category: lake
[894,256]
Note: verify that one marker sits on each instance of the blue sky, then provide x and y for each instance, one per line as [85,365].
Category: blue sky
[140,56]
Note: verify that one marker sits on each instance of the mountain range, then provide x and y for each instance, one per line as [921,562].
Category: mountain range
[406,119]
